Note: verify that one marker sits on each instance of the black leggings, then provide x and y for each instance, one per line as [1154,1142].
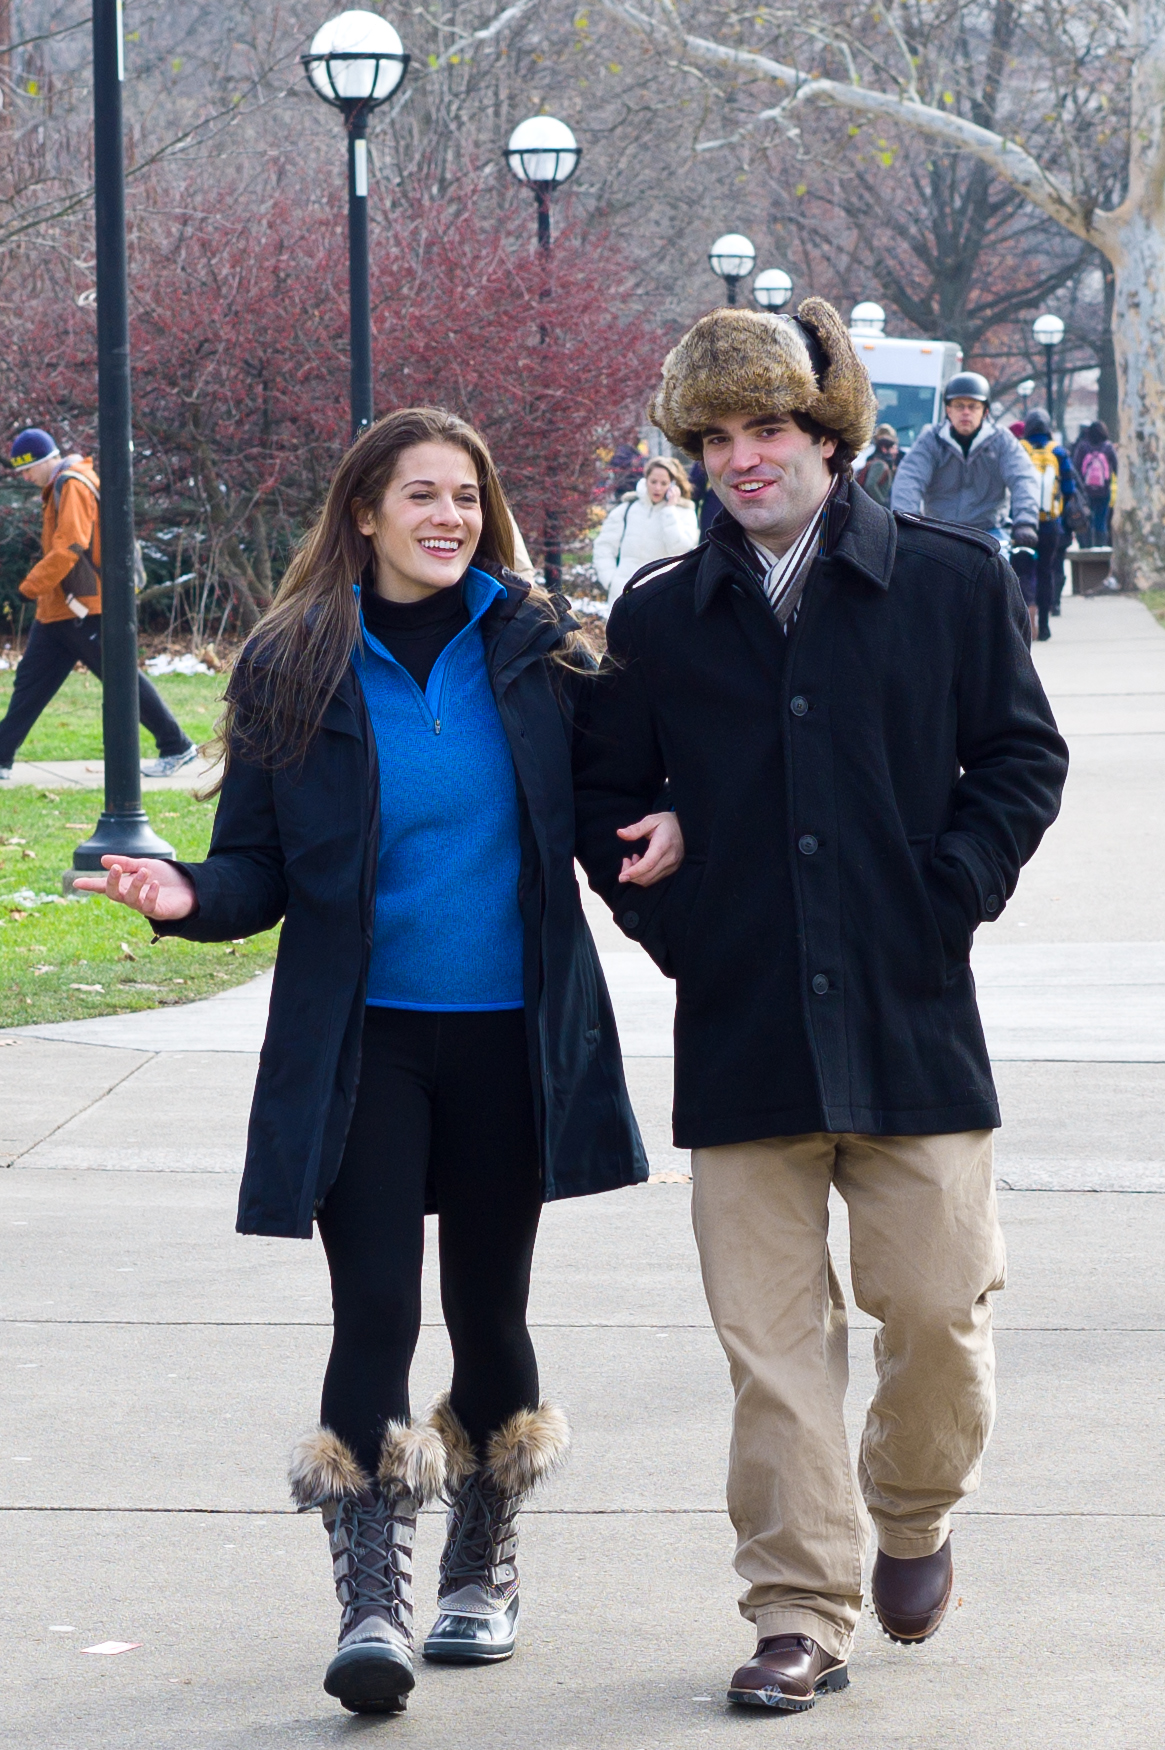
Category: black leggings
[444,1102]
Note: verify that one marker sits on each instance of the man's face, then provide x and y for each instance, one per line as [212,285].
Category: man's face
[39,473]
[768,473]
[965,414]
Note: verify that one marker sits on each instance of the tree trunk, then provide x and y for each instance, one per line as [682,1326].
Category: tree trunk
[1139,342]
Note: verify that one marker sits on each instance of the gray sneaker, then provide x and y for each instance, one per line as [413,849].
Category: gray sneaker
[170,763]
[5,771]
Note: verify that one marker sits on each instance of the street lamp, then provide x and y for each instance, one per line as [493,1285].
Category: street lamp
[733,258]
[123,829]
[1024,391]
[867,319]
[772,289]
[1049,332]
[543,153]
[356,62]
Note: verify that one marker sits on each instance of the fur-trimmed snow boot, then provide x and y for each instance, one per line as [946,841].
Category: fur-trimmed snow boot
[371,1524]
[477,1594]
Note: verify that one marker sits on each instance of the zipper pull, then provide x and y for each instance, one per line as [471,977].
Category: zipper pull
[436,726]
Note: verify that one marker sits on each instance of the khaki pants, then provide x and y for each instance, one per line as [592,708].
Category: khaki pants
[926,1251]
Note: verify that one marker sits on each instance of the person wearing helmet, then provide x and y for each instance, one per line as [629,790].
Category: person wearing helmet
[65,584]
[966,469]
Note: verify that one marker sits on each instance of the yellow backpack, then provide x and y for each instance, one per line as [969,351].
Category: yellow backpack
[1047,465]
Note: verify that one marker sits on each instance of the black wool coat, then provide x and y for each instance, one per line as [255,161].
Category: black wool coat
[301,845]
[855,799]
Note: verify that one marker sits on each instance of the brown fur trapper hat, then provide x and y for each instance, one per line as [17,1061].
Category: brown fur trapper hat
[753,362]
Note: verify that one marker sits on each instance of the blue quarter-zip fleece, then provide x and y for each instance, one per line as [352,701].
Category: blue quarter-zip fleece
[448,931]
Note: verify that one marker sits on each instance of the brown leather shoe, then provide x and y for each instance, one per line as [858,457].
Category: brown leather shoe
[787,1672]
[911,1596]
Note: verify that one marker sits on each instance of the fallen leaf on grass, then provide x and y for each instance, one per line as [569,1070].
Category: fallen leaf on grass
[127,952]
[15,841]
[38,970]
[31,855]
[77,825]
[100,987]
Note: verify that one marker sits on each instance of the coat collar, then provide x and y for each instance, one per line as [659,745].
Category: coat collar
[987,430]
[858,534]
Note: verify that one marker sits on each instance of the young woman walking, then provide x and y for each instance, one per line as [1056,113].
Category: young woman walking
[398,791]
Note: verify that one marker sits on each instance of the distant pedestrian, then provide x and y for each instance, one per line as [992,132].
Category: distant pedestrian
[655,521]
[877,476]
[842,704]
[626,468]
[1095,461]
[398,790]
[65,584]
[1057,485]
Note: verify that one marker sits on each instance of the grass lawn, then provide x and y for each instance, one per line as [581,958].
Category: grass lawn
[70,727]
[65,960]
[1154,600]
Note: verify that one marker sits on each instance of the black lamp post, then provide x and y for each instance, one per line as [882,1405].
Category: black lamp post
[543,153]
[733,258]
[123,829]
[1049,332]
[356,62]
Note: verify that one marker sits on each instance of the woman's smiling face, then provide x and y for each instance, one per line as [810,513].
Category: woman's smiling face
[425,530]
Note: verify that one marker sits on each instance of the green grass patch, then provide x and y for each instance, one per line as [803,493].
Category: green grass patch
[1154,600]
[70,726]
[67,960]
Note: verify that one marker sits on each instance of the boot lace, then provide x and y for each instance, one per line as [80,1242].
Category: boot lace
[372,1543]
[481,1541]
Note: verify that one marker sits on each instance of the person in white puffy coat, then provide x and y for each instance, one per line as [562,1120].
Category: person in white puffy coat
[656,521]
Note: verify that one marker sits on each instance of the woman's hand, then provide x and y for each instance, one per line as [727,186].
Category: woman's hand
[664,853]
[672,496]
[147,884]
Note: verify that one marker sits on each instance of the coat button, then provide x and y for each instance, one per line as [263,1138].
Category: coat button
[991,903]
[630,920]
[820,984]
[807,844]
[798,705]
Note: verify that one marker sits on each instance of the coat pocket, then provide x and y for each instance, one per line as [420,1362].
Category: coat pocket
[950,929]
[678,910]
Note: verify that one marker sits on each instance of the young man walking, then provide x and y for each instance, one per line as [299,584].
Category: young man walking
[66,587]
[843,705]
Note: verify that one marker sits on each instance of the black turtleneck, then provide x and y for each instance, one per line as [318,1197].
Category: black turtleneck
[415,632]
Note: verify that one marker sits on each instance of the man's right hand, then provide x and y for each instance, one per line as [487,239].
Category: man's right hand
[146,884]
[1023,535]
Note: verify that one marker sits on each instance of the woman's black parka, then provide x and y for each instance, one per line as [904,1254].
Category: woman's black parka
[301,844]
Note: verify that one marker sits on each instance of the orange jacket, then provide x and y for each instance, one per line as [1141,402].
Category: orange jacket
[71,532]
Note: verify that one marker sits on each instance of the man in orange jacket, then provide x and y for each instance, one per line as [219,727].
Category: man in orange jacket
[66,587]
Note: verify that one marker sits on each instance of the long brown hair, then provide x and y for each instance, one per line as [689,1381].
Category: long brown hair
[296,657]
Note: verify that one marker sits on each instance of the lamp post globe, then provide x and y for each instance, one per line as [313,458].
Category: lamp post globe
[1024,391]
[772,289]
[1049,332]
[733,258]
[355,63]
[543,153]
[867,318]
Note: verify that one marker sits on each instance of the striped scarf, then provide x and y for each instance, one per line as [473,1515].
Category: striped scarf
[785,578]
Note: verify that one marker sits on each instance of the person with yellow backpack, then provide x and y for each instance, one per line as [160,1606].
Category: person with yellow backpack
[65,584]
[1057,479]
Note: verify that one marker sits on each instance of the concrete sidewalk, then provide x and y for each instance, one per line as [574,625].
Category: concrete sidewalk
[157,1368]
[90,775]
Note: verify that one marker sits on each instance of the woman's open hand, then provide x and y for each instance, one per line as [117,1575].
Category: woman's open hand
[147,884]
[664,853]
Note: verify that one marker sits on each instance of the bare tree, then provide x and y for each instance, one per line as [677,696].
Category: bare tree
[1084,144]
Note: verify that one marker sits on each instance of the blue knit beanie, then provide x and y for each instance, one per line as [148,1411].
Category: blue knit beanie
[30,446]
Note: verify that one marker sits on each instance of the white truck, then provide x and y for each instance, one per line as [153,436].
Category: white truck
[908,378]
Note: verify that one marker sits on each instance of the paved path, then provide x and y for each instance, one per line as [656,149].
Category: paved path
[90,775]
[156,1368]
